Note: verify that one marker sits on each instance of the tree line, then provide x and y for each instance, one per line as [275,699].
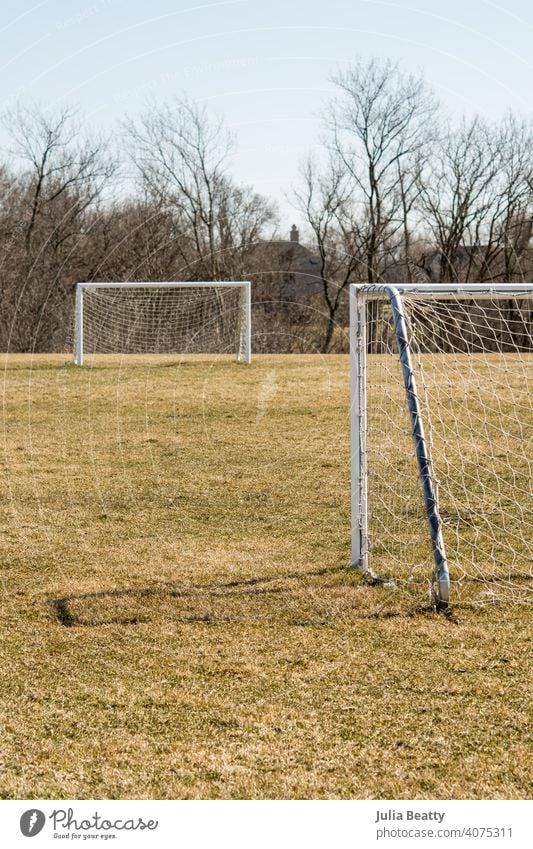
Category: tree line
[395,192]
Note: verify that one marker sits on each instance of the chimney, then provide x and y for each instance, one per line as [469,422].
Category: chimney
[295,236]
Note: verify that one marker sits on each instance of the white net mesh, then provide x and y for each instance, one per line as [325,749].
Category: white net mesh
[473,363]
[163,320]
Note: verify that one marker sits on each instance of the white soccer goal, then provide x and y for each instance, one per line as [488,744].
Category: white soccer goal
[442,438]
[163,318]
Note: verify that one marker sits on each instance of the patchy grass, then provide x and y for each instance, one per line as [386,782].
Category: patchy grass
[178,619]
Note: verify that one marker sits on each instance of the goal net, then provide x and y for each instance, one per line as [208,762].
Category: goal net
[163,318]
[442,438]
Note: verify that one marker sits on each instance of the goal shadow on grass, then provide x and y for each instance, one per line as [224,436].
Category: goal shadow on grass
[324,597]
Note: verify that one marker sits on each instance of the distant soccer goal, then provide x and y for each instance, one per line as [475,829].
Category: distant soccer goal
[163,318]
[442,438]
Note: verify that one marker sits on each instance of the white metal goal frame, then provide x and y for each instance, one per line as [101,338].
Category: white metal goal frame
[360,296]
[244,349]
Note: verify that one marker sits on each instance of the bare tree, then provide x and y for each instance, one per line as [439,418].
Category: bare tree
[476,201]
[380,126]
[58,162]
[512,221]
[458,191]
[60,175]
[182,156]
[324,201]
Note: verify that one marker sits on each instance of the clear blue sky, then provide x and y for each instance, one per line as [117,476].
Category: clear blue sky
[263,64]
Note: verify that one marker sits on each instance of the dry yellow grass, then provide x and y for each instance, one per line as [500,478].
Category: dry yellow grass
[178,621]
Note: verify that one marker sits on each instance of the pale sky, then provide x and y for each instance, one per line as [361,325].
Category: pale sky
[263,65]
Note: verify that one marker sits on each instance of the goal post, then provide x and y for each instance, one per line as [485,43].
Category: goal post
[163,317]
[441,437]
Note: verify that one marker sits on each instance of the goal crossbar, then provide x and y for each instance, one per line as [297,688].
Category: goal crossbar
[439,291]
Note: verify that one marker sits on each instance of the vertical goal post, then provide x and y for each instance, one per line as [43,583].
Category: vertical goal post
[243,316]
[476,337]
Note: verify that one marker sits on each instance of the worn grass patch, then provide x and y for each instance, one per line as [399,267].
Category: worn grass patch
[178,619]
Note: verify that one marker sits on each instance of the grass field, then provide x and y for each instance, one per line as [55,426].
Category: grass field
[178,620]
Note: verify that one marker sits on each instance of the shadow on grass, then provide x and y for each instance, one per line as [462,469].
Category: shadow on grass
[320,598]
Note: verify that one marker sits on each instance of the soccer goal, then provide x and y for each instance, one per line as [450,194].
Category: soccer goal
[442,438]
[163,318]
